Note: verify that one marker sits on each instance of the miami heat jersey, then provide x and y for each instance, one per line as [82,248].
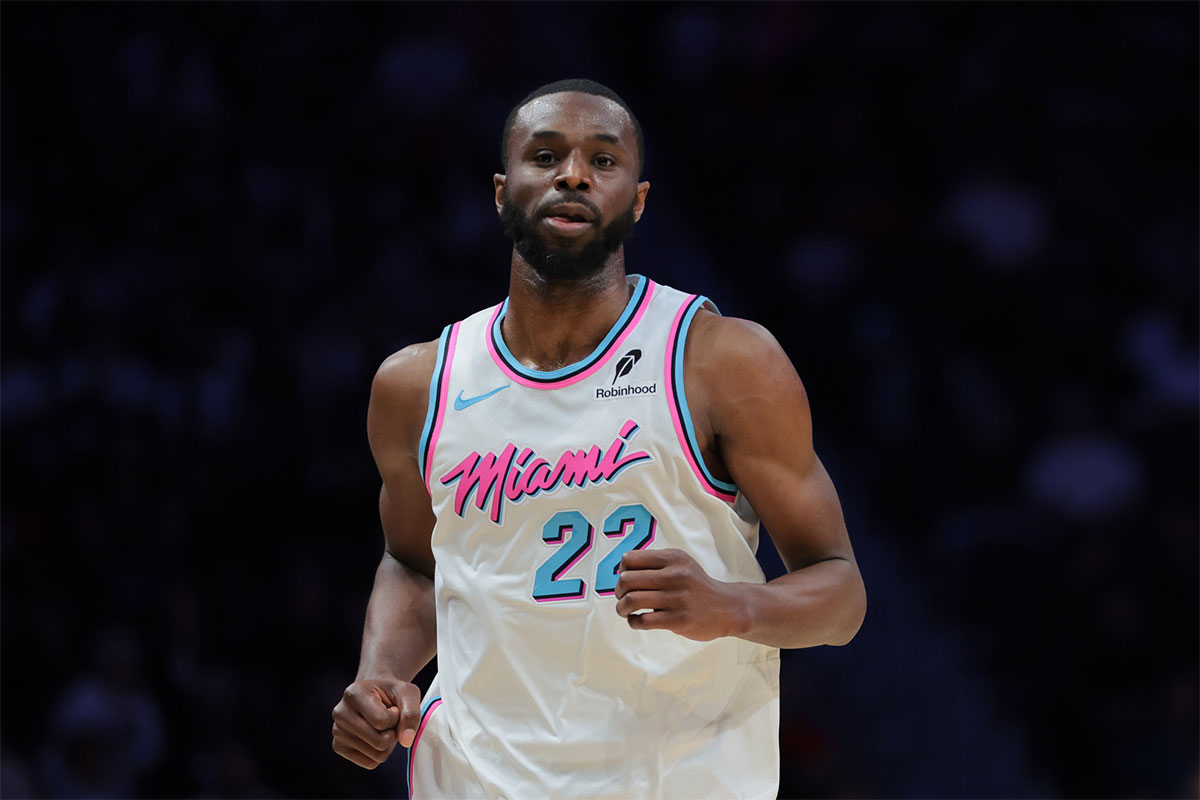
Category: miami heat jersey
[541,481]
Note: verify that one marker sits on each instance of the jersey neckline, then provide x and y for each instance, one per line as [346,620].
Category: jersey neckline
[527,376]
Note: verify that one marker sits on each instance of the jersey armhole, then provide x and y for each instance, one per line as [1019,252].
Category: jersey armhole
[677,399]
[439,387]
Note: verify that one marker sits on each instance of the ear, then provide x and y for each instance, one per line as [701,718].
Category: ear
[639,205]
[499,179]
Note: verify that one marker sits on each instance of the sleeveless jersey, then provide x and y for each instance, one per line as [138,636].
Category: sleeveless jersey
[541,481]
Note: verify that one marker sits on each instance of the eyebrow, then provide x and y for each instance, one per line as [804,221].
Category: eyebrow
[603,137]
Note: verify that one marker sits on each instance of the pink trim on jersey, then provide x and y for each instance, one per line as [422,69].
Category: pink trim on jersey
[669,383]
[587,373]
[412,752]
[443,398]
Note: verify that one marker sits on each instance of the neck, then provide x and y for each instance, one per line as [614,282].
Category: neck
[553,323]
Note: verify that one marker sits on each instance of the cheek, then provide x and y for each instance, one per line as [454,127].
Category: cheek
[622,202]
[523,193]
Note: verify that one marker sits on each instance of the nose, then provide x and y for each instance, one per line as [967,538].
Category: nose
[572,173]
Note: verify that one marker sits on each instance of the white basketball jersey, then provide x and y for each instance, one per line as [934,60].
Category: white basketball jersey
[541,481]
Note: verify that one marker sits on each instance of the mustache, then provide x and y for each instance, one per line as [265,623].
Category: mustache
[577,199]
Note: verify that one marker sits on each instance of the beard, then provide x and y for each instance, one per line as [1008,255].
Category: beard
[553,263]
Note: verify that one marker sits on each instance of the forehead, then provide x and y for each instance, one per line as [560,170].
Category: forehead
[574,112]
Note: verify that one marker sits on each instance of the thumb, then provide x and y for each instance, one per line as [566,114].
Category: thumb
[406,706]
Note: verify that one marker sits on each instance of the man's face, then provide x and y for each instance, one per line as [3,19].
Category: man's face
[571,195]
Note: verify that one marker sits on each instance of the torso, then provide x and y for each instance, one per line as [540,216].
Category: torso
[539,481]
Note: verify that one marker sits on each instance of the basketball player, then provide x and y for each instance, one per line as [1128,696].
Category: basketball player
[572,486]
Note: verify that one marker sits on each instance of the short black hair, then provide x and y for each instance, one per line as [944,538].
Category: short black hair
[574,85]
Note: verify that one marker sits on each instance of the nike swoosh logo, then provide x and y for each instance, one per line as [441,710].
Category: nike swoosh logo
[460,403]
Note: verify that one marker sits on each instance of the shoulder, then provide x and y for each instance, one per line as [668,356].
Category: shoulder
[741,376]
[751,398]
[406,371]
[400,395]
[722,348]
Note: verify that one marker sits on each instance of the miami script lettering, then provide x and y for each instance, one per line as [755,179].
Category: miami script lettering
[514,474]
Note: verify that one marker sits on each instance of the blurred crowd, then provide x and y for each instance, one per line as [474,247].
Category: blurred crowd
[973,228]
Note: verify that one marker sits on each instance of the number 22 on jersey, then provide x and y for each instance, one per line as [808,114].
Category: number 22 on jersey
[572,531]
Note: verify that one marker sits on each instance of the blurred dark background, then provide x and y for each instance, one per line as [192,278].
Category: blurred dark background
[972,226]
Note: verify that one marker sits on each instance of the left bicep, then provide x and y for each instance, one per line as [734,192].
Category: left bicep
[762,424]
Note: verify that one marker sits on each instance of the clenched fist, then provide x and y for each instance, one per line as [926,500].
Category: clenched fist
[679,595]
[372,716]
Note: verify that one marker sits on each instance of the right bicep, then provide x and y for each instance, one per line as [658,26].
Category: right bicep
[399,400]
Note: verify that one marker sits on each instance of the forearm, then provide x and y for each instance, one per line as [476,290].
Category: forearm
[823,603]
[400,632]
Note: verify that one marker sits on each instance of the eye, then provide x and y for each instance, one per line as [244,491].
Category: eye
[543,157]
[605,161]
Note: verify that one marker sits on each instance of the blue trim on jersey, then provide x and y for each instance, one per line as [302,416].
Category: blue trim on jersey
[639,292]
[685,414]
[425,707]
[435,385]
